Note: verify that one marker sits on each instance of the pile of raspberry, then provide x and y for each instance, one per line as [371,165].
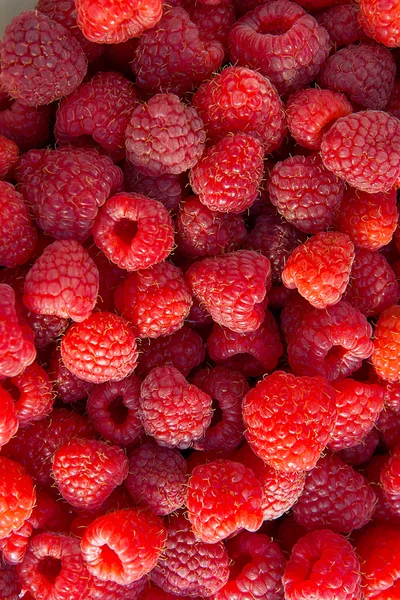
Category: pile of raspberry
[199,300]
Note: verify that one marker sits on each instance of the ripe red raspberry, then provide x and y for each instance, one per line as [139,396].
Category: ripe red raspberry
[13,547]
[101,348]
[305,193]
[10,586]
[164,136]
[33,394]
[18,237]
[334,496]
[283,42]
[124,545]
[387,506]
[66,187]
[173,411]
[379,552]
[386,354]
[380,20]
[363,148]
[133,231]
[114,591]
[157,478]
[46,328]
[232,288]
[281,404]
[228,175]
[113,409]
[27,126]
[390,479]
[293,313]
[342,24]
[68,387]
[172,57]
[213,20]
[362,453]
[9,421]
[320,268]
[188,566]
[240,100]
[40,60]
[323,564]
[223,497]
[17,496]
[8,156]
[311,111]
[389,428]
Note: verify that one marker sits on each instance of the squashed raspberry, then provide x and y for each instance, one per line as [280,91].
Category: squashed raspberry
[342,24]
[380,20]
[68,386]
[379,552]
[18,237]
[8,417]
[8,156]
[33,394]
[17,496]
[27,126]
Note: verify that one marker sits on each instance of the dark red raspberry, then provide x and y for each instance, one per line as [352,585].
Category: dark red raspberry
[66,187]
[232,288]
[17,496]
[334,496]
[392,393]
[311,111]
[159,67]
[213,20]
[157,478]
[46,328]
[342,24]
[8,156]
[283,42]
[386,354]
[27,126]
[379,552]
[198,316]
[188,566]
[18,237]
[387,506]
[124,545]
[69,387]
[101,348]
[364,149]
[323,564]
[33,394]
[40,60]
[10,586]
[380,20]
[223,497]
[294,311]
[240,100]
[362,453]
[389,428]
[289,420]
[393,106]
[173,411]
[113,408]
[9,422]
[133,231]
[114,591]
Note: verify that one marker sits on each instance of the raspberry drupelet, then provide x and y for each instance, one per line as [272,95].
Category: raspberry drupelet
[380,20]
[8,156]
[379,552]
[385,357]
[8,417]
[33,393]
[17,495]
[18,234]
[68,387]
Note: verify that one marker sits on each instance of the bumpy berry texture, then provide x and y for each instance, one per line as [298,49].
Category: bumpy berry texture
[389,428]
[342,24]
[379,552]
[8,156]
[282,403]
[33,393]
[67,386]
[211,510]
[10,586]
[262,40]
[15,544]
[9,422]
[164,136]
[40,60]
[17,494]
[385,357]
[46,328]
[323,564]
[380,20]
[18,234]
[27,126]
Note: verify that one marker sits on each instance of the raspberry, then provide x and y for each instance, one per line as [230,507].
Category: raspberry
[156,300]
[17,496]
[123,546]
[27,126]
[379,552]
[133,231]
[204,232]
[40,60]
[8,156]
[232,288]
[108,22]
[10,586]
[305,193]
[223,497]
[107,102]
[198,316]
[68,387]
[362,453]
[18,235]
[101,348]
[173,411]
[342,24]
[240,100]
[46,328]
[390,480]
[283,42]
[334,496]
[392,394]
[323,564]
[364,149]
[113,408]
[289,420]
[157,478]
[114,591]
[320,268]
[15,544]
[387,506]
[293,313]
[228,175]
[189,566]
[380,20]
[33,392]
[385,357]
[213,20]
[66,187]
[389,428]
[9,421]
[311,111]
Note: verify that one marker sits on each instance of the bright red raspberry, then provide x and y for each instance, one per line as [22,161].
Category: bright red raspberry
[363,148]
[390,479]
[342,24]
[69,387]
[18,237]
[133,231]
[223,497]
[13,547]
[320,268]
[379,552]
[124,545]
[101,348]
[228,175]
[380,20]
[213,20]
[240,100]
[392,393]
[40,60]
[232,288]
[113,409]
[362,453]
[10,585]
[386,355]
[172,57]
[173,411]
[9,421]
[27,126]
[282,42]
[157,478]
[334,496]
[164,136]
[188,566]
[323,564]
[32,391]
[289,420]
[8,156]
[66,187]
[17,496]
[311,111]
